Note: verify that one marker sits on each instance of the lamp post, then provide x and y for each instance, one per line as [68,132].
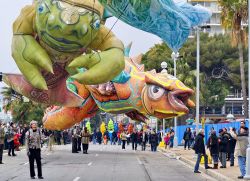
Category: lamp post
[175,56]
[247,176]
[197,80]
[164,66]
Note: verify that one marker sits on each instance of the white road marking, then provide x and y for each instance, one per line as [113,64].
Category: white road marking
[26,163]
[76,179]
[90,163]
[139,161]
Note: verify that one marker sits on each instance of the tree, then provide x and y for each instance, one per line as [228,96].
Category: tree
[22,112]
[10,97]
[233,14]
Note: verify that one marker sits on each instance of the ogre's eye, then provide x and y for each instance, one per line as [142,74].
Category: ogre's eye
[43,8]
[155,92]
[96,24]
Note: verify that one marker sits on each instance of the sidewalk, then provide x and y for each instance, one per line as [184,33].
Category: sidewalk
[188,157]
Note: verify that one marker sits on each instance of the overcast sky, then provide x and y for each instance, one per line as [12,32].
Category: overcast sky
[142,41]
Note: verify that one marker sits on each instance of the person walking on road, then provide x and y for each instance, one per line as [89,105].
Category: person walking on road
[171,140]
[213,146]
[33,148]
[99,137]
[10,139]
[187,138]
[240,149]
[153,138]
[223,144]
[167,140]
[2,136]
[232,144]
[144,140]
[124,139]
[134,140]
[200,150]
[65,136]
[85,140]
[79,139]
[74,140]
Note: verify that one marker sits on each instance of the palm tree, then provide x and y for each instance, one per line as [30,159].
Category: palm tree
[9,98]
[233,14]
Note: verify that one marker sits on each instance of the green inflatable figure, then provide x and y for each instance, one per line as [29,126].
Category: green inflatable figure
[52,39]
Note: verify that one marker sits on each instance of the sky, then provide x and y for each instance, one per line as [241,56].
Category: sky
[142,41]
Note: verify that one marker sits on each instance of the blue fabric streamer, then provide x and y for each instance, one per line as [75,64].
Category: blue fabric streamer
[168,20]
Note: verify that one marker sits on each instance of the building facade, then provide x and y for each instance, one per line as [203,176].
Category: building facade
[215,21]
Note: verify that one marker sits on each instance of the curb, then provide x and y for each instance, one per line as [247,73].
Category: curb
[209,172]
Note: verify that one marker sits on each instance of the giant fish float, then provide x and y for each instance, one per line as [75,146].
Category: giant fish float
[134,92]
[141,94]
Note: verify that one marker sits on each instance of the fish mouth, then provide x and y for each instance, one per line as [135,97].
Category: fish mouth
[60,44]
[179,100]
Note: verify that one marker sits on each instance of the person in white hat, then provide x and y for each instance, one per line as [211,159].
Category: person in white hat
[33,147]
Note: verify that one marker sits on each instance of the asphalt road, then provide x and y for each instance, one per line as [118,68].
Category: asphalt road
[103,163]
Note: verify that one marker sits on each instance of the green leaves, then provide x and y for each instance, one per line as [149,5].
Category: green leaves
[22,112]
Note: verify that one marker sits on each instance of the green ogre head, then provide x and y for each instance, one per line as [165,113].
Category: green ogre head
[68,25]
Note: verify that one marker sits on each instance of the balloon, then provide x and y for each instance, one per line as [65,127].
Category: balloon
[71,61]
[145,93]
[88,127]
[53,40]
[111,126]
[103,128]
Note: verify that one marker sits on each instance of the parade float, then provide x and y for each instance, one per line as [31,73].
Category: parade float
[74,64]
[140,95]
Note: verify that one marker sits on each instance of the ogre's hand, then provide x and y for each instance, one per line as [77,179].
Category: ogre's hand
[30,57]
[102,67]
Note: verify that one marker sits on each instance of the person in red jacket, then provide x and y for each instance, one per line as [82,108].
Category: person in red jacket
[16,141]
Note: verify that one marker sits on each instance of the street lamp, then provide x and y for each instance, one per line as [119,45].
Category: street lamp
[198,29]
[197,80]
[247,176]
[164,66]
[175,56]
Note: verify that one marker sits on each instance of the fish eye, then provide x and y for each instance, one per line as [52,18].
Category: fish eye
[155,92]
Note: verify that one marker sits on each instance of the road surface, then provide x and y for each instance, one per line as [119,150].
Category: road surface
[103,163]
